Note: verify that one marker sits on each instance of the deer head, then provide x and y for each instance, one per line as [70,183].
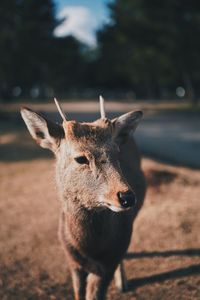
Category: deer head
[87,157]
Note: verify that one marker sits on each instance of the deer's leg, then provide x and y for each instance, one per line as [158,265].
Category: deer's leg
[97,286]
[79,283]
[120,278]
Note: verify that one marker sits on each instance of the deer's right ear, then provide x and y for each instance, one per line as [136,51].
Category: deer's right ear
[46,133]
[126,124]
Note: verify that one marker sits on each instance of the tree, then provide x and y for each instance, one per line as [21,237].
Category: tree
[68,65]
[35,38]
[25,42]
[8,43]
[30,54]
[150,44]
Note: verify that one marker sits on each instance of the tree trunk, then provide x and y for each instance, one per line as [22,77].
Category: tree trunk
[190,89]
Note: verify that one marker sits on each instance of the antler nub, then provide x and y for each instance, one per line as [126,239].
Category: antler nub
[61,112]
[102,110]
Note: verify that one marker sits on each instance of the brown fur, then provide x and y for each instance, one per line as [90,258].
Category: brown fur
[95,238]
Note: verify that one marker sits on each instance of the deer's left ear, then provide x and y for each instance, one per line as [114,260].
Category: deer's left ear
[46,133]
[126,124]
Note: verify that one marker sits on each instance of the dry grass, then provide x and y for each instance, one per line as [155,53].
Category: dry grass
[32,264]
[164,256]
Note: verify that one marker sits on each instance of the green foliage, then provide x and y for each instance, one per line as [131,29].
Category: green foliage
[30,54]
[150,44]
[68,64]
[149,47]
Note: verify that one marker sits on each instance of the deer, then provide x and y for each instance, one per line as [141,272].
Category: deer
[101,187]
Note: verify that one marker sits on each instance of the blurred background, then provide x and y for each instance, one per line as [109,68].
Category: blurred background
[139,54]
[78,48]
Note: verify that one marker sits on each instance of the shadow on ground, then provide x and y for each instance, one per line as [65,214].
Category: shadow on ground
[185,252]
[42,286]
[173,274]
[157,278]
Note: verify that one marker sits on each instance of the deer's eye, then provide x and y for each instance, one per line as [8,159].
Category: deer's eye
[82,160]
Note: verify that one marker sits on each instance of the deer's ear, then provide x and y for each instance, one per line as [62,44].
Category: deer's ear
[46,133]
[126,124]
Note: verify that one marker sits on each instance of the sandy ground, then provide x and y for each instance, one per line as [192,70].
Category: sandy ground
[163,261]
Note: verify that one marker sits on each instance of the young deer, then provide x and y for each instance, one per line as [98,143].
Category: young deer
[102,188]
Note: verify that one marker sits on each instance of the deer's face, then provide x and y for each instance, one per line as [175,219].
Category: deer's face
[87,155]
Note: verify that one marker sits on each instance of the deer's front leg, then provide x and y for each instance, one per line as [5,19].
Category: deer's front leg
[97,286]
[120,278]
[79,283]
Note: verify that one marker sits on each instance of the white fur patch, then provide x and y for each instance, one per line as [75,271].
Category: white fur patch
[112,207]
[115,208]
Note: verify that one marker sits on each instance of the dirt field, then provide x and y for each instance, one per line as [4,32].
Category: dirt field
[163,261]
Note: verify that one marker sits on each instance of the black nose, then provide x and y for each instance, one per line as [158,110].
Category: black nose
[126,199]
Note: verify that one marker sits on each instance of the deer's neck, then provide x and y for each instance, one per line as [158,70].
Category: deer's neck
[83,228]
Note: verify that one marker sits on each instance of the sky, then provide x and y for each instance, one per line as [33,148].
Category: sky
[83,18]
